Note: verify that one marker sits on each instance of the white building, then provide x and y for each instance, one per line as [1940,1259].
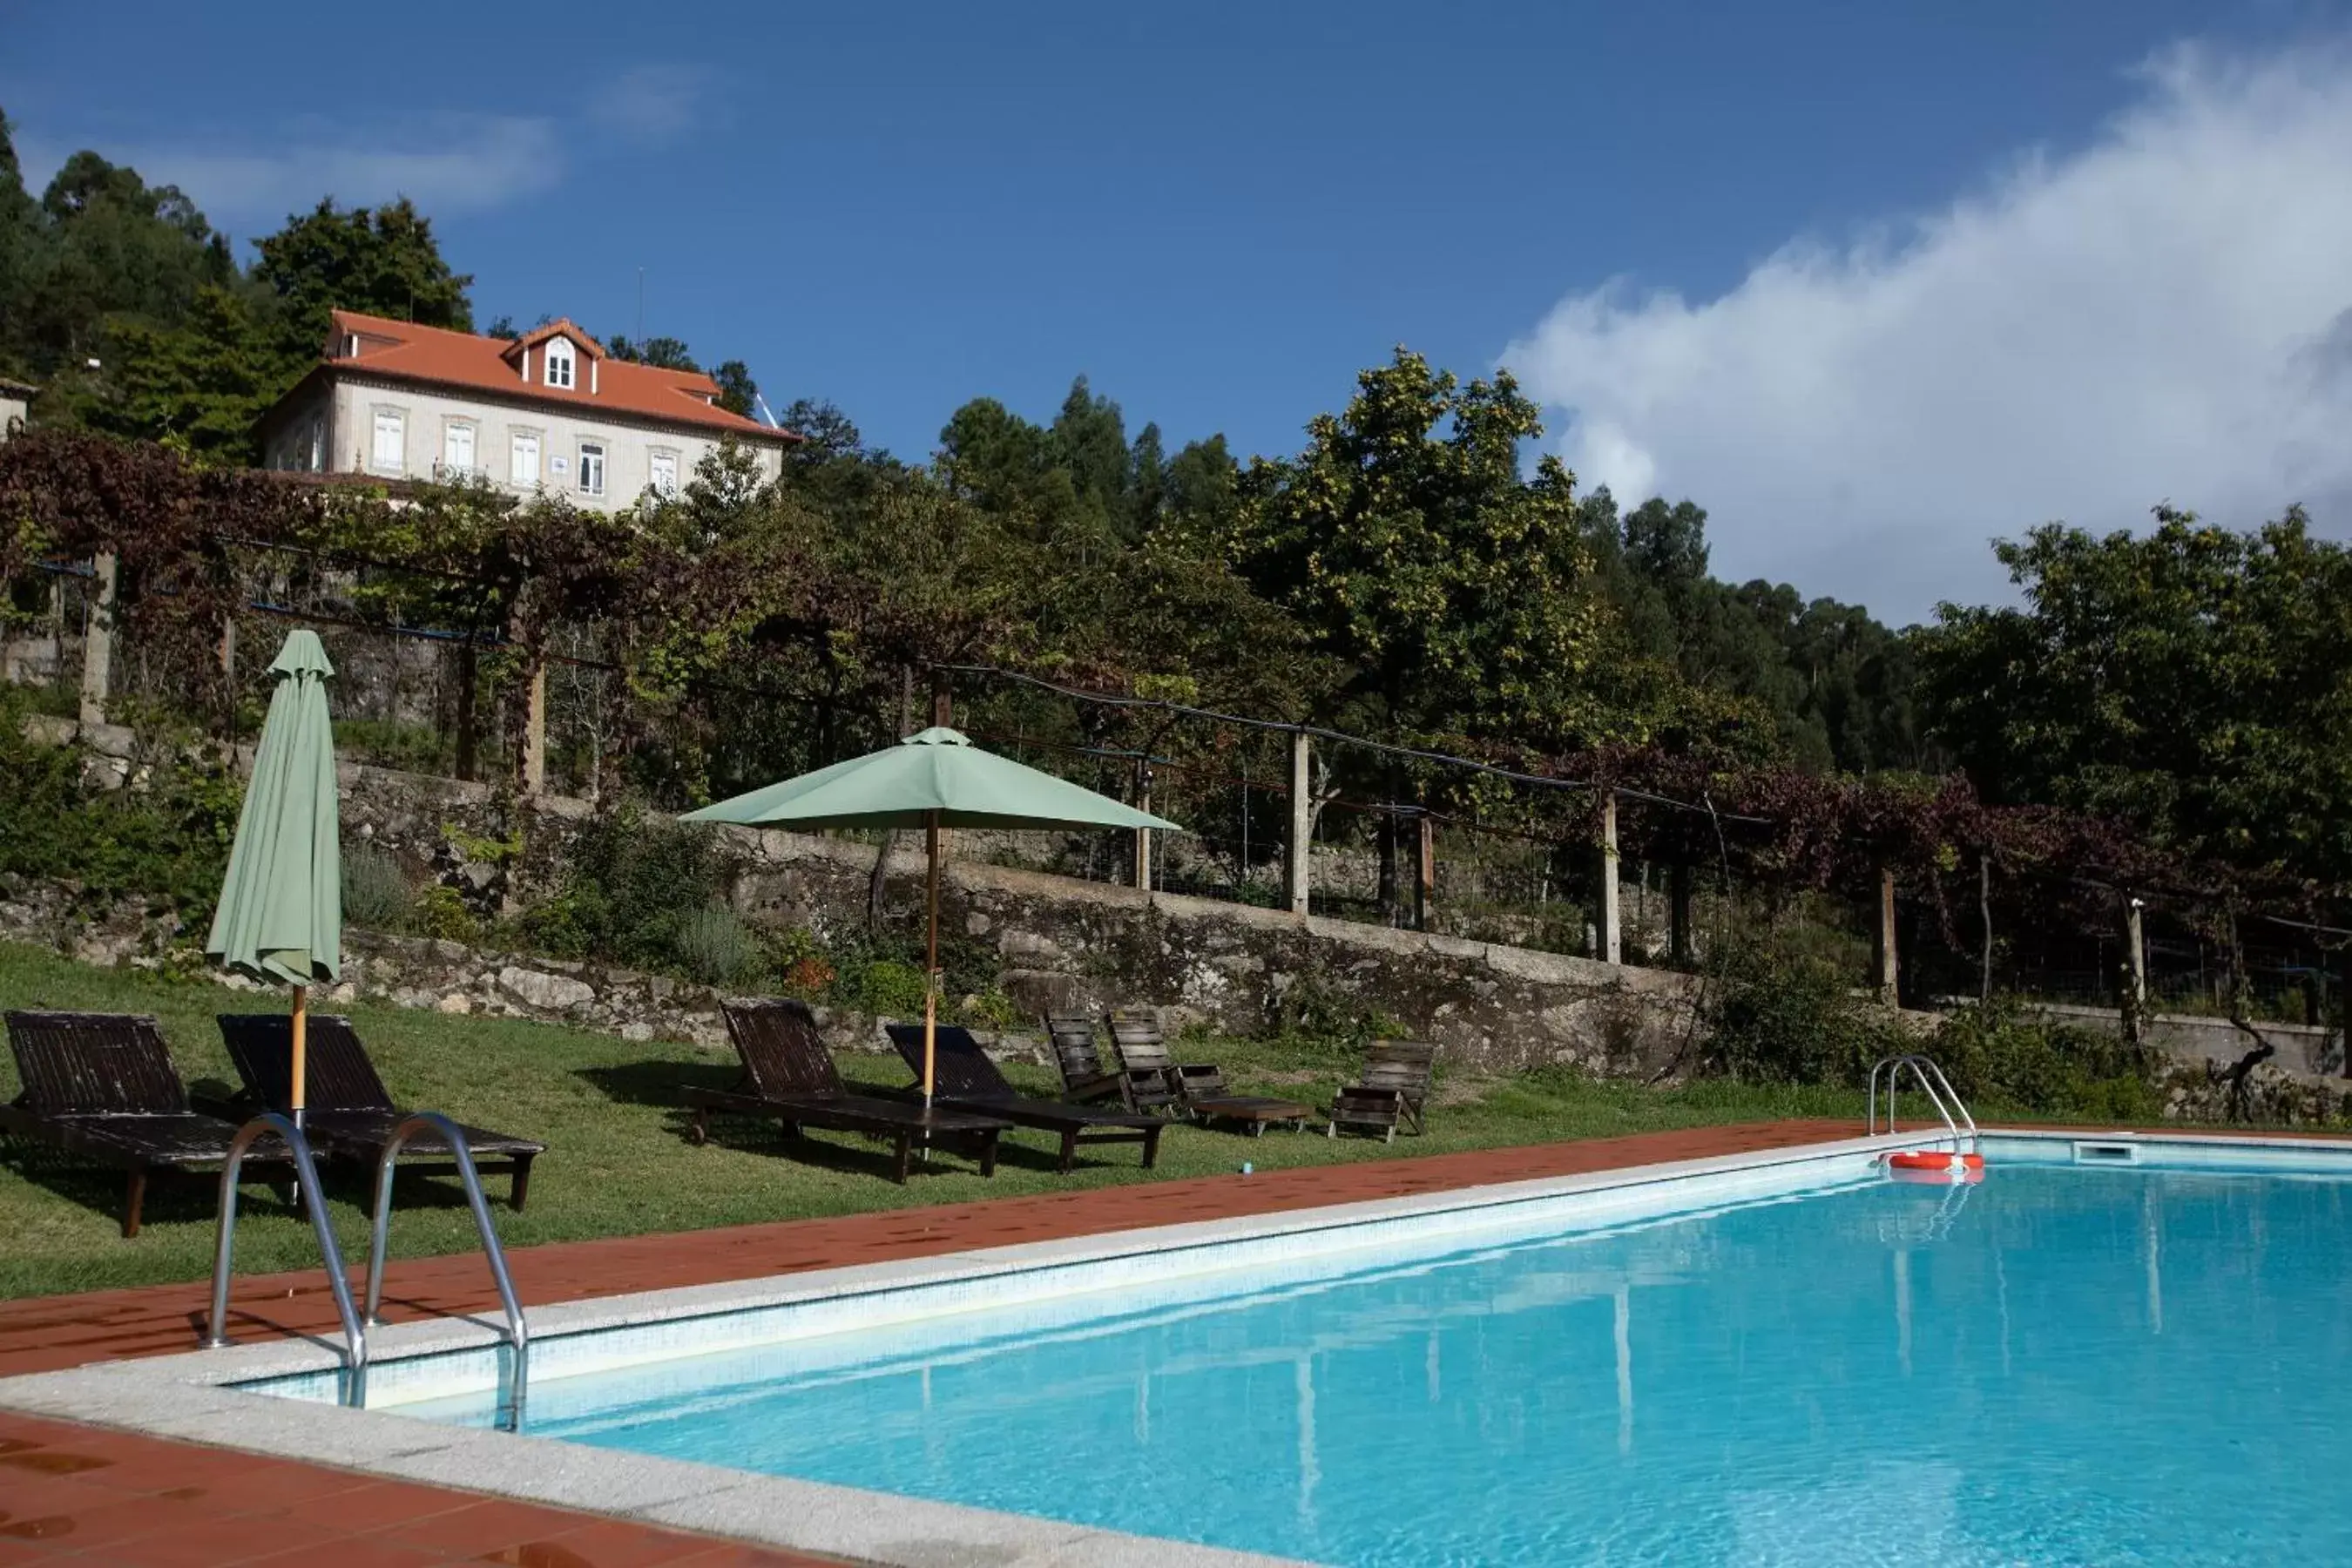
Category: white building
[549,410]
[15,402]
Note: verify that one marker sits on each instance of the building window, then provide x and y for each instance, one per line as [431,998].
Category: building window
[559,362]
[591,469]
[522,466]
[318,447]
[662,472]
[390,452]
[457,448]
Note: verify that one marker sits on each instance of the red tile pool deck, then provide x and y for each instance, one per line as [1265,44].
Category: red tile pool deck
[79,1494]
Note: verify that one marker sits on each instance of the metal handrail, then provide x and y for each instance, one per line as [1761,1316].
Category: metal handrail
[1934,1084]
[518,1332]
[313,1196]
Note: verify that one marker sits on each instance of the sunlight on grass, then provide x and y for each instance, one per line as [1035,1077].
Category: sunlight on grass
[617,1163]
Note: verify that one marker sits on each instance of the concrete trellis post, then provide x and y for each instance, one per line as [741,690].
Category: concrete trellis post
[1882,940]
[1612,924]
[534,732]
[1424,881]
[97,642]
[1143,835]
[1302,823]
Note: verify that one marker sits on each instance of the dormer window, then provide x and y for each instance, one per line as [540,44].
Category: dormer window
[558,362]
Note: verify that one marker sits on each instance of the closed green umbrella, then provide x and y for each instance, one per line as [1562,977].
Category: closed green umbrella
[932,780]
[281,906]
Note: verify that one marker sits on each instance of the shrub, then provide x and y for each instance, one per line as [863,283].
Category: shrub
[376,894]
[2001,1053]
[440,911]
[1315,1019]
[884,987]
[631,886]
[808,978]
[163,838]
[1777,1013]
[715,947]
[560,926]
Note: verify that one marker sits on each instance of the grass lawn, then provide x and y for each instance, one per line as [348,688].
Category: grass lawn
[617,1163]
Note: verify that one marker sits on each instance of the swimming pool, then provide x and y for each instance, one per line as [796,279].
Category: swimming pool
[2114,1349]
[2065,1365]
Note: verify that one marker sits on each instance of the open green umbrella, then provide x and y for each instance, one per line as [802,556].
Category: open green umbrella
[932,780]
[281,906]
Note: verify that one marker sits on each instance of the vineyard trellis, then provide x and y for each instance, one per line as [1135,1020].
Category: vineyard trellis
[571,653]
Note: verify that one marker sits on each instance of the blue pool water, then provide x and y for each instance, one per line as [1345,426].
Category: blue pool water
[2060,1366]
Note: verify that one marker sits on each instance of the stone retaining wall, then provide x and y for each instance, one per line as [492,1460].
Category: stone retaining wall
[1064,944]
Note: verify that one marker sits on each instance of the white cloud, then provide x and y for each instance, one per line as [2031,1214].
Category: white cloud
[445,162]
[655,103]
[2166,313]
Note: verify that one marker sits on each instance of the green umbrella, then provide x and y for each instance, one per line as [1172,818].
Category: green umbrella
[933,780]
[281,906]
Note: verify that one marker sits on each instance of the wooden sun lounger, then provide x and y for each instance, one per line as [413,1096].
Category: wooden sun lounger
[1085,1080]
[1198,1088]
[347,1111]
[962,1076]
[102,1086]
[1395,1087]
[789,1077]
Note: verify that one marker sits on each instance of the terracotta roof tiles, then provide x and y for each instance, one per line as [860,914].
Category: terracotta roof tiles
[407,351]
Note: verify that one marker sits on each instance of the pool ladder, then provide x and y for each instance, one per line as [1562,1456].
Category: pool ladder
[1959,1127]
[353,1381]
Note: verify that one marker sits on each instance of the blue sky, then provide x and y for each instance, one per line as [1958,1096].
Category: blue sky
[1220,212]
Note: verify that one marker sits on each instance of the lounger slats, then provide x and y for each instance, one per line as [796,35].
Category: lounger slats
[1392,1089]
[774,1038]
[346,1110]
[1198,1088]
[792,1079]
[963,1075]
[1078,1055]
[960,1068]
[102,1086]
[336,1074]
[94,1064]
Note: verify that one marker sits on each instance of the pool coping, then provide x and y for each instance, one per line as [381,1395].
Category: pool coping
[185,1396]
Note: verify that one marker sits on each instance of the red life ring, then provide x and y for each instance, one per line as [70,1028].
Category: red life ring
[1943,1161]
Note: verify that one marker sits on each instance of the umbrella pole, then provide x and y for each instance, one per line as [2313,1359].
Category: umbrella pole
[301,1047]
[931,960]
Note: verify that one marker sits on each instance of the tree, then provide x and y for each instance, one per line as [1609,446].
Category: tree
[382,261]
[101,244]
[827,435]
[1147,483]
[1088,440]
[1452,587]
[199,385]
[2193,682]
[663,353]
[1407,540]
[1002,464]
[1201,488]
[20,240]
[738,393]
